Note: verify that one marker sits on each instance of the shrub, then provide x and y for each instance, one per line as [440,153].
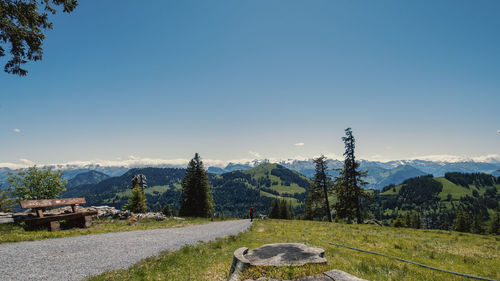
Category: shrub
[6,200]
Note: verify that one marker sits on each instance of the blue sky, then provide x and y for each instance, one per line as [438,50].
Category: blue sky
[246,79]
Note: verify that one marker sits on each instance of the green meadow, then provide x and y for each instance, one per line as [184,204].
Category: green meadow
[462,252]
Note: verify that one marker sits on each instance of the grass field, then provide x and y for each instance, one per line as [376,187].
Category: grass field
[14,233]
[467,253]
[294,201]
[455,190]
[150,190]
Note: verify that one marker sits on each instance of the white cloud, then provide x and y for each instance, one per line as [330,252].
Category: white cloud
[27,162]
[299,144]
[16,130]
[255,154]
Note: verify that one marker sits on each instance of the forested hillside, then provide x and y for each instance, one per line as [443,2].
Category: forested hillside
[437,201]
[234,192]
[90,177]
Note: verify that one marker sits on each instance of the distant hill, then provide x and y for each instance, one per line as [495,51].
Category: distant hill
[234,192]
[116,188]
[90,177]
[69,171]
[437,199]
[397,176]
[4,173]
[377,178]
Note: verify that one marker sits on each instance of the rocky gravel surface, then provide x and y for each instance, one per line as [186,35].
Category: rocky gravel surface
[76,258]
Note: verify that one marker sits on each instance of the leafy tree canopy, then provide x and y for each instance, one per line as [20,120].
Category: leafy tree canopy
[6,200]
[36,184]
[22,23]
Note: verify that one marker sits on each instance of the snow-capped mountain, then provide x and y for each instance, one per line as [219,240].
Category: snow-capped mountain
[379,173]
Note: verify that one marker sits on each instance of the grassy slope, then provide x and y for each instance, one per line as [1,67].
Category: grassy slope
[14,233]
[467,253]
[294,201]
[265,169]
[455,190]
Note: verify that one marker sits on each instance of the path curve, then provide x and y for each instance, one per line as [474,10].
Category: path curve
[79,257]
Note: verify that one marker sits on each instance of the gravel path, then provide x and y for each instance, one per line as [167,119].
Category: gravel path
[75,258]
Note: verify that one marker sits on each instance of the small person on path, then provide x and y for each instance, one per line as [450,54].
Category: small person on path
[251,213]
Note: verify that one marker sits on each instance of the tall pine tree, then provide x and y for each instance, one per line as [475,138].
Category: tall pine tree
[275,211]
[495,223]
[196,198]
[317,204]
[281,209]
[462,221]
[348,183]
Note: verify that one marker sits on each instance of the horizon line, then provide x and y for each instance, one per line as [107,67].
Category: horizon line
[133,161]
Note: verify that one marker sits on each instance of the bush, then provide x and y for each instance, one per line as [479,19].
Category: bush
[398,222]
[6,200]
[166,210]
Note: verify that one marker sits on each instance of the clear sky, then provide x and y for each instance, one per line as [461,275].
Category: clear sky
[254,79]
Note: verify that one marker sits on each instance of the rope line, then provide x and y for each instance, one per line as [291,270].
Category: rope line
[400,259]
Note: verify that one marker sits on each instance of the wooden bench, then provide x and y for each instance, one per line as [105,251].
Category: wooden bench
[52,222]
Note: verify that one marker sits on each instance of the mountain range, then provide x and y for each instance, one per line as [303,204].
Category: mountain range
[380,174]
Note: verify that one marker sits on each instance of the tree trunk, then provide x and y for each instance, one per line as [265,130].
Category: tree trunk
[325,188]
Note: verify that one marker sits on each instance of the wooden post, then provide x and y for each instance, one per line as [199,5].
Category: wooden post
[83,222]
[39,212]
[88,221]
[55,226]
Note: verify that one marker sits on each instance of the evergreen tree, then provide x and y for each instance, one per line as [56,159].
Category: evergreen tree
[407,219]
[415,220]
[290,212]
[284,210]
[167,211]
[311,196]
[137,202]
[347,186]
[495,223]
[477,225]
[274,211]
[317,203]
[196,199]
[462,222]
